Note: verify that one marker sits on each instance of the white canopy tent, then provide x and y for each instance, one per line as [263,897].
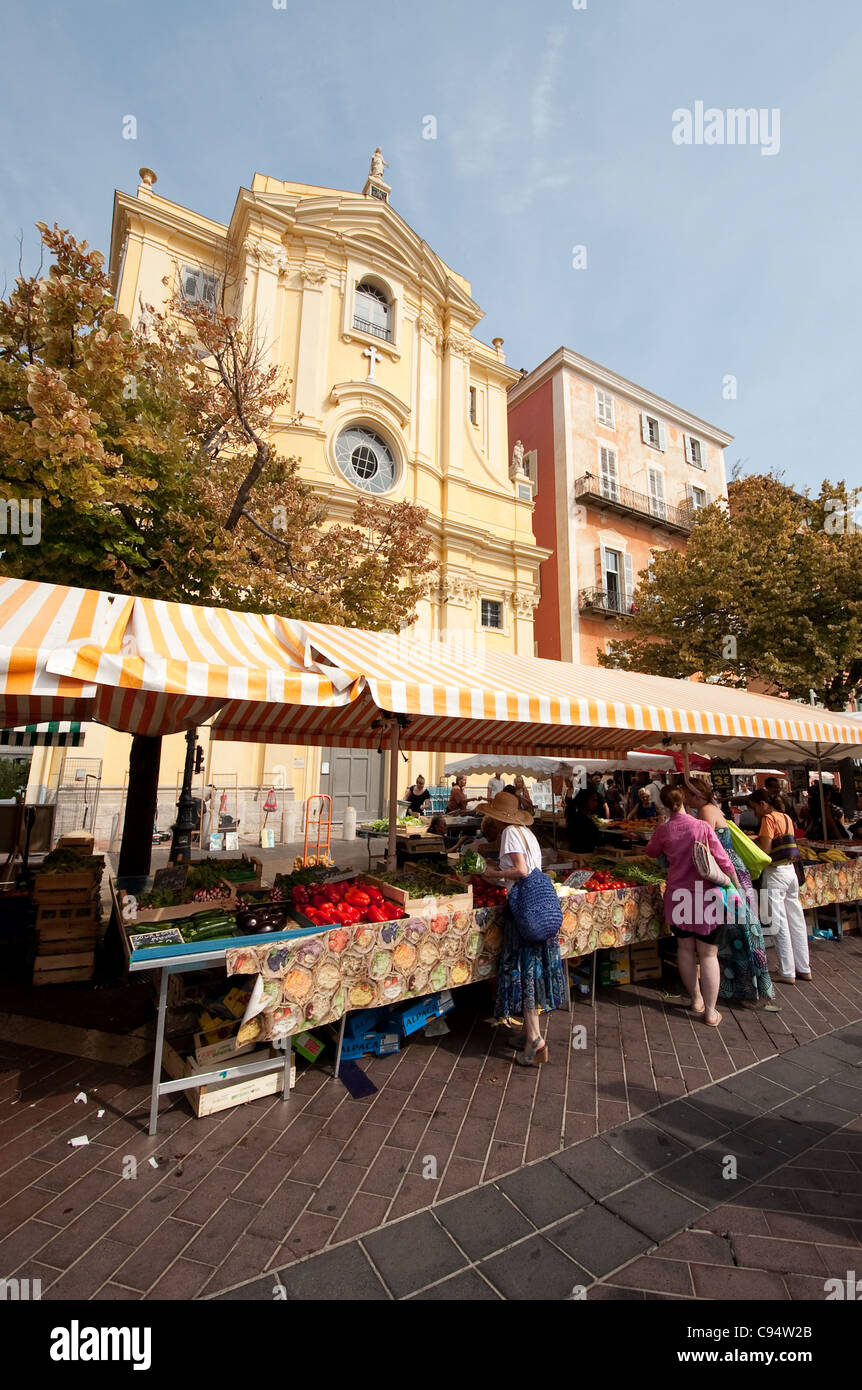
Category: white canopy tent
[541,769]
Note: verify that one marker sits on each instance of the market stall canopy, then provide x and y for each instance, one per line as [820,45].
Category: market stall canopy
[57,733]
[36,620]
[501,703]
[143,665]
[541,769]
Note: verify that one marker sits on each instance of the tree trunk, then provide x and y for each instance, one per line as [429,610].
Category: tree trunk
[141,803]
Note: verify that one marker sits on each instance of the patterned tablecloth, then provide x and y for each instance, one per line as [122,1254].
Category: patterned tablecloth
[831,883]
[316,979]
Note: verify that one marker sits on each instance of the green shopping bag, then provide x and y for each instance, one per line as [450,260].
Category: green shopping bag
[752,856]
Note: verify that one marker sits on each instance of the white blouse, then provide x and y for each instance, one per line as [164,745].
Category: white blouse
[518,839]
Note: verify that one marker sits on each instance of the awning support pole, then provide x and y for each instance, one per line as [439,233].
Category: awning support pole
[391,855]
[686,759]
[822,796]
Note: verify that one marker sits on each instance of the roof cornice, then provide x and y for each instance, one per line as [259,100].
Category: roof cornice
[603,376]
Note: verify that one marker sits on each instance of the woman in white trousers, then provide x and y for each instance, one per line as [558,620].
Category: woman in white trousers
[779,880]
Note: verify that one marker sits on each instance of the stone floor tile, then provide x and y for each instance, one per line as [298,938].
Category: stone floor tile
[536,1271]
[599,1240]
[544,1193]
[745,1285]
[643,1143]
[653,1208]
[468,1286]
[411,1253]
[483,1222]
[654,1273]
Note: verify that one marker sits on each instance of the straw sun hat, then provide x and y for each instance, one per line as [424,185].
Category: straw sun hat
[505,808]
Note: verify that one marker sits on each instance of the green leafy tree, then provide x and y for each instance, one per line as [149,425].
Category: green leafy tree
[768,590]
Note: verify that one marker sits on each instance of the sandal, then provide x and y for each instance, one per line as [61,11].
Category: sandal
[712,1022]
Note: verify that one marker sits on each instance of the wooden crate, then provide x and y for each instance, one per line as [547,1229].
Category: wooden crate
[645,960]
[51,889]
[460,899]
[145,915]
[64,969]
[223,1095]
[67,914]
[68,937]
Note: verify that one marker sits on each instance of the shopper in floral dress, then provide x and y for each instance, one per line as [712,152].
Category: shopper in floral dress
[741,949]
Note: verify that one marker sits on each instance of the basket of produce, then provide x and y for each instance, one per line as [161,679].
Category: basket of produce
[343,904]
[417,890]
[410,825]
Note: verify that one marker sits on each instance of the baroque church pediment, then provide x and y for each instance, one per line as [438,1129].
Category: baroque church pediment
[364,228]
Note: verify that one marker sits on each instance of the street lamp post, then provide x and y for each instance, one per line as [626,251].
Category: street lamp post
[181,844]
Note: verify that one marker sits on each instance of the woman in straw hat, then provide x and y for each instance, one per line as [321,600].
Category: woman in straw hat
[531,974]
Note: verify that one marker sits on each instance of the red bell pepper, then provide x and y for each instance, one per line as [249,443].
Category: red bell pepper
[313,915]
[374,894]
[356,897]
[333,892]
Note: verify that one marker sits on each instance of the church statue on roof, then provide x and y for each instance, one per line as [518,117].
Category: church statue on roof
[378,164]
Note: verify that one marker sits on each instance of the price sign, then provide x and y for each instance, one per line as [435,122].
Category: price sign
[172,876]
[722,780]
[799,779]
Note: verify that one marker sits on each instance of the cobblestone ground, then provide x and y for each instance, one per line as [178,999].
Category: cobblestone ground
[229,1198]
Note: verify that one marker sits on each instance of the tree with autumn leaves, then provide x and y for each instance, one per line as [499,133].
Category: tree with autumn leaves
[150,450]
[768,590]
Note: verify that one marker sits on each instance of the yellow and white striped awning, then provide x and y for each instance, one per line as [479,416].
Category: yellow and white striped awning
[500,703]
[145,666]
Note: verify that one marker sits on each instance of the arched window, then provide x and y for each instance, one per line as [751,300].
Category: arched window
[372,312]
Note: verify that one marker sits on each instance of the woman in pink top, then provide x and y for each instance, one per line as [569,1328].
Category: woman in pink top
[693,908]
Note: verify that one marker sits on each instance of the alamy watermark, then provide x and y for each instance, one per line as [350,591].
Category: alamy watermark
[21,517]
[735,126]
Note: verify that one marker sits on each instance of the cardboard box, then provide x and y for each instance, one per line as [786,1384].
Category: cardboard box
[223,1095]
[412,1015]
[308,1046]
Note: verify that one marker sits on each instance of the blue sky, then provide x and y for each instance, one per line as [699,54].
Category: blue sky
[554,129]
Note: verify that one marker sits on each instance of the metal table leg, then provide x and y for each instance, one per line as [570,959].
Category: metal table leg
[340,1041]
[593,983]
[288,1058]
[157,1059]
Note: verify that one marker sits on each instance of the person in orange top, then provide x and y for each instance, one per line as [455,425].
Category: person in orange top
[777,839]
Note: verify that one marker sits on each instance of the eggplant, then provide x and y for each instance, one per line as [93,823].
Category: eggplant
[266,918]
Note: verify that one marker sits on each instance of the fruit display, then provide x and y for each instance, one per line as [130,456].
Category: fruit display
[381,827]
[487,894]
[343,904]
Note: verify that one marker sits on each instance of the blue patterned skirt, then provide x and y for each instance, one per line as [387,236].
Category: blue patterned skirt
[531,976]
[741,951]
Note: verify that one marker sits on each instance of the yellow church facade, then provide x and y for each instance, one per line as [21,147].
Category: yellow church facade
[393,396]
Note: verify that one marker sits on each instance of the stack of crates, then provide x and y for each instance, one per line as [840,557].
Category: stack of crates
[68,924]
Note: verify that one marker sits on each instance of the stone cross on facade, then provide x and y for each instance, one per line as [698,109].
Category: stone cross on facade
[373,358]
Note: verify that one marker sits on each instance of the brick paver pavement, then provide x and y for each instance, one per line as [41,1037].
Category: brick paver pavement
[217,1201]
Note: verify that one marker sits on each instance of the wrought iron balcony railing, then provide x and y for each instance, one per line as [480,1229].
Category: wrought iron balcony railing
[627,502]
[365,326]
[606,603]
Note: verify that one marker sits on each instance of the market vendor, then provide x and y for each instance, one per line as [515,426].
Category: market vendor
[484,843]
[584,835]
[645,809]
[458,798]
[519,791]
[417,797]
